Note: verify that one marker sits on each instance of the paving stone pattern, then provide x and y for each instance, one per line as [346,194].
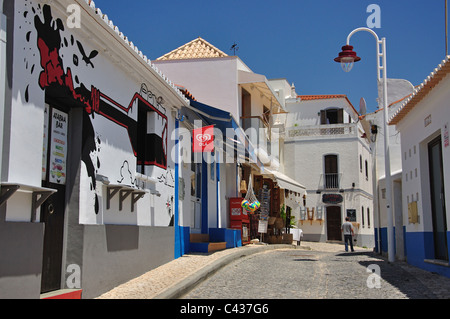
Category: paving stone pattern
[310,271]
[314,274]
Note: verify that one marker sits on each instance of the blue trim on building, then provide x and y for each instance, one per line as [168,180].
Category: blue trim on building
[186,240]
[178,238]
[217,188]
[204,226]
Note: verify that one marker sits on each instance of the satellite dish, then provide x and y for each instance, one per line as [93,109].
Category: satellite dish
[362,107]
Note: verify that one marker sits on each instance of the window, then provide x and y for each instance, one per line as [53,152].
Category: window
[351,214]
[368,217]
[331,172]
[367,171]
[362,216]
[151,137]
[360,163]
[332,116]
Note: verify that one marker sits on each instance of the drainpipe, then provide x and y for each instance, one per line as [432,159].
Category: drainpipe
[2,80]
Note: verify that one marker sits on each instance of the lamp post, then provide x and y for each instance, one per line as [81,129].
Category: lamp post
[347,58]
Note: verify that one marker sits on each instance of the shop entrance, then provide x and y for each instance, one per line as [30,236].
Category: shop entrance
[334,222]
[54,164]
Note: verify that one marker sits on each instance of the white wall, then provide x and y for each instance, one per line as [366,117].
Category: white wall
[415,138]
[112,155]
[308,112]
[211,81]
[305,164]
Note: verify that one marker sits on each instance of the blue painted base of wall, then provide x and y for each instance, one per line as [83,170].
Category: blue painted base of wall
[384,239]
[199,248]
[231,236]
[183,246]
[419,246]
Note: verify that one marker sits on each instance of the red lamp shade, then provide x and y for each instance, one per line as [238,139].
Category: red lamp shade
[347,57]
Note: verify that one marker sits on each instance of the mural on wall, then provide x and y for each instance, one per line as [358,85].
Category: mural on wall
[64,84]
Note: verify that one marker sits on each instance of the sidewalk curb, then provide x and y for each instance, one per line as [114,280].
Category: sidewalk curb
[182,287]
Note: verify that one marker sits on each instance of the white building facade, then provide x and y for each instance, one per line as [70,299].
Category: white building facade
[225,83]
[423,121]
[88,178]
[330,154]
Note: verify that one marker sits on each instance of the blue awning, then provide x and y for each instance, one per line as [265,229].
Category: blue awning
[222,120]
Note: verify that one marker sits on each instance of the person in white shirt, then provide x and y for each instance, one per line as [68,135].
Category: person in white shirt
[347,229]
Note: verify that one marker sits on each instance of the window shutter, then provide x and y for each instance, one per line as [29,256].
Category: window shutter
[340,118]
[323,117]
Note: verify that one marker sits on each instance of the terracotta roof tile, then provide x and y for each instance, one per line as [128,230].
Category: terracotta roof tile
[196,49]
[326,97]
[321,97]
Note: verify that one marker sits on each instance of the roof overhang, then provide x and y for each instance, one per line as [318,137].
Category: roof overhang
[260,83]
[422,91]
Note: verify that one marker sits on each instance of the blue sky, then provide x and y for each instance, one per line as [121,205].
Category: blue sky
[295,39]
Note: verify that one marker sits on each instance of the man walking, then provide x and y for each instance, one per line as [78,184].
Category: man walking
[347,229]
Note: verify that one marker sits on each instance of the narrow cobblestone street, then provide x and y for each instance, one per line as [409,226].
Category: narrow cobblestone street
[324,272]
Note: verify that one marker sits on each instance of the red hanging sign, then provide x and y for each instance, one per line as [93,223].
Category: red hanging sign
[203,139]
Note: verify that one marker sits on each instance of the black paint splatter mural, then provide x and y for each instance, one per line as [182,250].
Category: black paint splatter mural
[56,80]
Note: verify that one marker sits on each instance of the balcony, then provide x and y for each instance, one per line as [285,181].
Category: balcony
[258,131]
[330,181]
[323,131]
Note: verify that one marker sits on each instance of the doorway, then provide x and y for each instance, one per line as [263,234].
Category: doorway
[334,221]
[437,199]
[54,164]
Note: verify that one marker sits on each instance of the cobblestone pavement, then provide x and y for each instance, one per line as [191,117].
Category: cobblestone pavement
[164,282]
[324,272]
[312,270]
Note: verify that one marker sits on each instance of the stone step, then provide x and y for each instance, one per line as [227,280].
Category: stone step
[199,238]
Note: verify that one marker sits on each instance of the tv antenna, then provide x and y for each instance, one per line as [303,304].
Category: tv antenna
[235,48]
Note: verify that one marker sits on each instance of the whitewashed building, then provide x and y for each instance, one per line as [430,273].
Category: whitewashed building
[398,91]
[87,178]
[227,84]
[423,121]
[330,153]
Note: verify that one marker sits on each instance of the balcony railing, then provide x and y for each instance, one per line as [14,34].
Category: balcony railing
[326,131]
[330,181]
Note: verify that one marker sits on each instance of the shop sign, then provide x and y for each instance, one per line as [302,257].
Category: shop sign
[262,226]
[203,140]
[332,198]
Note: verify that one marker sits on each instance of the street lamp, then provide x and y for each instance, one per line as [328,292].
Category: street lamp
[347,57]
